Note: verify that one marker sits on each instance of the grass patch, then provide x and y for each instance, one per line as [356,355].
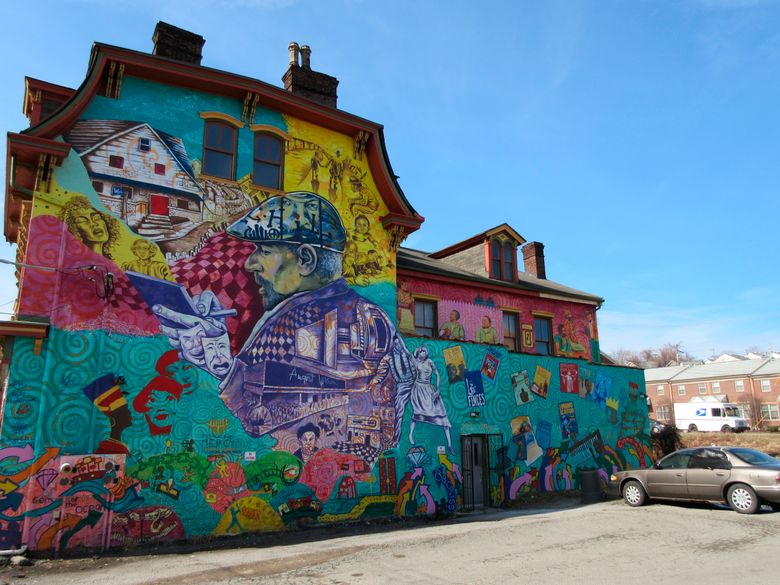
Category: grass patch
[766,442]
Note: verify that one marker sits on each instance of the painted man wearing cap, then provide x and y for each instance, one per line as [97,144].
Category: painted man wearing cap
[318,343]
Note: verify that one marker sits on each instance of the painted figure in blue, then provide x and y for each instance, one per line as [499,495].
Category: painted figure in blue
[317,346]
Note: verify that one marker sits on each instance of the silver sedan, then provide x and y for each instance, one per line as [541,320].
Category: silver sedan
[743,478]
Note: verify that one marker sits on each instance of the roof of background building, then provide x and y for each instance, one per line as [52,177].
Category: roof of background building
[422,261]
[722,369]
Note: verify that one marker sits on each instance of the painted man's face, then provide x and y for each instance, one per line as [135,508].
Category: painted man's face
[275,269]
[217,355]
[90,225]
[308,442]
[453,316]
[485,322]
[361,225]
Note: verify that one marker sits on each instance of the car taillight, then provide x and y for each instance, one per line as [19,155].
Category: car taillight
[777,478]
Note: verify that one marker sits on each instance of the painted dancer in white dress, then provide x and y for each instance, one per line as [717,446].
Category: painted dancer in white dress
[427,403]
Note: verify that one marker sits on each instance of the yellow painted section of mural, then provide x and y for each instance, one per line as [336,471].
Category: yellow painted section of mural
[250,514]
[327,163]
[358,511]
[101,232]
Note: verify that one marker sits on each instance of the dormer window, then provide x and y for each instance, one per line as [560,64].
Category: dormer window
[503,259]
[144,144]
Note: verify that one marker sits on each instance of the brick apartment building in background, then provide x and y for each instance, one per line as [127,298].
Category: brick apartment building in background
[753,384]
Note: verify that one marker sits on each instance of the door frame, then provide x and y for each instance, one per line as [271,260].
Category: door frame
[492,470]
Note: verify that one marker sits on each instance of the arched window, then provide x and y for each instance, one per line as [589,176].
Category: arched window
[503,259]
[268,168]
[495,259]
[219,150]
[509,261]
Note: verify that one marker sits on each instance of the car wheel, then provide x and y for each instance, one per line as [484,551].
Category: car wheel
[692,428]
[743,499]
[634,494]
[726,429]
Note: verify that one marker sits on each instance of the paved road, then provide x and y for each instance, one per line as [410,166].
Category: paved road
[563,543]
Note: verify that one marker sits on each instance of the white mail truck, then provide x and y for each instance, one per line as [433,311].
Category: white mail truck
[709,416]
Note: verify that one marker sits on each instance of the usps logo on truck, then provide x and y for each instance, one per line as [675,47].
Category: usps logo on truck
[701,412]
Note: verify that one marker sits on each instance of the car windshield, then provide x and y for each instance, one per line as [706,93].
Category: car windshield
[754,457]
[732,411]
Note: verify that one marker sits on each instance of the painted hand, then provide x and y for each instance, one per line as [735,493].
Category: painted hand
[189,332]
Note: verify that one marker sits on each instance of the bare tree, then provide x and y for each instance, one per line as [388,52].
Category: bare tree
[625,356]
[668,353]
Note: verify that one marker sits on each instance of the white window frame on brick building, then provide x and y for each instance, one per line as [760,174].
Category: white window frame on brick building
[716,387]
[739,385]
[770,411]
[702,388]
[680,389]
[659,389]
[766,385]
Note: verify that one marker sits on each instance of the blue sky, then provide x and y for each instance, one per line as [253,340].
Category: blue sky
[638,140]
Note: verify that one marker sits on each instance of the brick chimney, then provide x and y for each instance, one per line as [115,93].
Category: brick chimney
[533,259]
[177,43]
[300,79]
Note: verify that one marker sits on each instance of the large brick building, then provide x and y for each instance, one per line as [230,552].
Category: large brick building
[752,384]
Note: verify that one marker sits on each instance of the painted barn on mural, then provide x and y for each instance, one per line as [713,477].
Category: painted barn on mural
[217,330]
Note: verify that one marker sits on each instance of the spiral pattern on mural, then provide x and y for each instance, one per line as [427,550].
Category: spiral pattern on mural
[140,356]
[26,361]
[75,347]
[71,424]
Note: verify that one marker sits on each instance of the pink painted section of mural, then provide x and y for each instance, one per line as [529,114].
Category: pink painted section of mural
[462,313]
[73,297]
[454,313]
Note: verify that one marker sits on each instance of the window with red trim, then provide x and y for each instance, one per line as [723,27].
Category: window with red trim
[159,169]
[118,162]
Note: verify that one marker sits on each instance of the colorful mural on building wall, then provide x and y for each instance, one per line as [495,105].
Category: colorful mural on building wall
[467,313]
[223,358]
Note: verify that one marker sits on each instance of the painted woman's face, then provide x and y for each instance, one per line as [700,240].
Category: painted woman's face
[90,225]
[183,372]
[162,407]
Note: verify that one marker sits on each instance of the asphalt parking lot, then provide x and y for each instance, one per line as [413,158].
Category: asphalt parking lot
[555,542]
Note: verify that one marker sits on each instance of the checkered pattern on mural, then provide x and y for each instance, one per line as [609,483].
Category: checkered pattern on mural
[219,267]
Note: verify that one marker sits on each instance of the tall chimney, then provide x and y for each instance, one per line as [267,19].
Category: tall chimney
[533,259]
[301,80]
[176,43]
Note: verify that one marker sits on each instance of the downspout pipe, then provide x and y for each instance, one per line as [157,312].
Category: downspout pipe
[13,552]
